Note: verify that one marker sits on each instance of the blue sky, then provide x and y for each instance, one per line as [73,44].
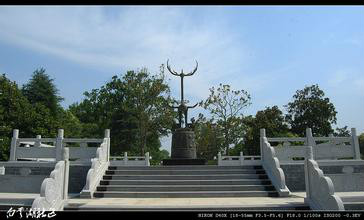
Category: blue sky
[270,51]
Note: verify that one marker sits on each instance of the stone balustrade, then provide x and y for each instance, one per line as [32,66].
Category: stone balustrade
[52,151]
[238,160]
[324,148]
[98,167]
[130,160]
[54,190]
[320,193]
[271,165]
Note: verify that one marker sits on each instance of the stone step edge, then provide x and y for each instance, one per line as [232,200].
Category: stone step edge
[188,166]
[185,192]
[176,186]
[193,180]
[236,170]
[248,174]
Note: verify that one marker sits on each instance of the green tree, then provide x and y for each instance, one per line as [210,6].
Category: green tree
[147,98]
[311,109]
[225,106]
[15,113]
[158,156]
[41,89]
[272,120]
[135,107]
[342,132]
[208,138]
[361,145]
[70,123]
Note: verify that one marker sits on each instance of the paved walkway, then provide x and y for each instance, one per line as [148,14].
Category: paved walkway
[18,198]
[296,198]
[220,202]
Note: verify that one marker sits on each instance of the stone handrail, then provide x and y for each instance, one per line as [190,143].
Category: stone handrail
[286,139]
[54,190]
[41,150]
[320,193]
[237,160]
[131,160]
[272,167]
[98,167]
[333,148]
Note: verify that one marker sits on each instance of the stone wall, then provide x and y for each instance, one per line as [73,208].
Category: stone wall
[24,177]
[77,177]
[295,177]
[348,177]
[27,177]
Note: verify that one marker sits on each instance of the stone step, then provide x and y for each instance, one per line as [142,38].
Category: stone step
[185,194]
[354,206]
[181,188]
[187,182]
[185,177]
[183,172]
[6,207]
[194,167]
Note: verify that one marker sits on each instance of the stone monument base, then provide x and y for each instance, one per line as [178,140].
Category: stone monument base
[183,161]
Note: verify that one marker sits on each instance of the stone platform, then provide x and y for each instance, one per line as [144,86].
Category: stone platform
[189,204]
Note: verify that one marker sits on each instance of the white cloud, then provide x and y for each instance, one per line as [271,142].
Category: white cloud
[131,37]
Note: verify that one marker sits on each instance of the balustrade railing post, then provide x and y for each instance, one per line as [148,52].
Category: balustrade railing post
[147,163]
[66,172]
[59,145]
[355,144]
[241,158]
[331,141]
[107,135]
[38,142]
[219,159]
[262,135]
[125,158]
[14,143]
[311,141]
[309,156]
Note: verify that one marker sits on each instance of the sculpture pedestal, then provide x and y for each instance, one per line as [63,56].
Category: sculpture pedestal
[183,149]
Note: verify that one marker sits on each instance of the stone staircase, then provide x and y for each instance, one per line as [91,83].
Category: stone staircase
[195,184]
[184,182]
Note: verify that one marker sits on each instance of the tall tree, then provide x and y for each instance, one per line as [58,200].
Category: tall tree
[361,145]
[14,109]
[311,109]
[272,120]
[135,107]
[208,137]
[41,89]
[17,113]
[147,98]
[226,106]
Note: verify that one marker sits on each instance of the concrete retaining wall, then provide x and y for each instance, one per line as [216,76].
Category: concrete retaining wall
[346,177]
[77,177]
[25,177]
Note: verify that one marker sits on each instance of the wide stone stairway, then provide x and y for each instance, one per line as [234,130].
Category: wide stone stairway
[185,181]
[183,188]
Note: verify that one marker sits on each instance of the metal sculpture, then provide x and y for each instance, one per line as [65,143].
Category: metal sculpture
[182,108]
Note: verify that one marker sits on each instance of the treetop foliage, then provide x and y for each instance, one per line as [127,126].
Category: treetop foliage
[311,109]
[41,89]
